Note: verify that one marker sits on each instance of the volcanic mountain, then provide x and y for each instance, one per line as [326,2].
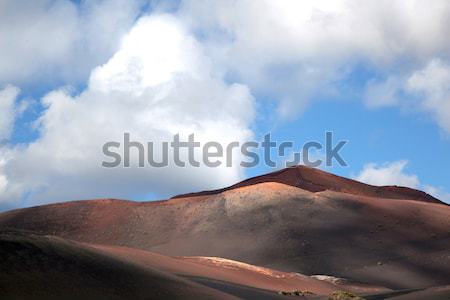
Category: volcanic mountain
[315,180]
[246,240]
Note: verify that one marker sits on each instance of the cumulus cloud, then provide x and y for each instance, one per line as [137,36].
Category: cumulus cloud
[432,86]
[425,89]
[388,174]
[7,111]
[47,41]
[395,173]
[157,84]
[299,50]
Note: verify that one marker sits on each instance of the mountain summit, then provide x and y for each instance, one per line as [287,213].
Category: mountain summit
[316,180]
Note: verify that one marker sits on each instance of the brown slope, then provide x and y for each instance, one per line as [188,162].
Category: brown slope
[315,180]
[398,244]
[234,272]
[224,270]
[45,267]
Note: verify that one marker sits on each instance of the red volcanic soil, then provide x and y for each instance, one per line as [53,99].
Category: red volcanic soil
[315,180]
[323,225]
[222,270]
[44,267]
[235,272]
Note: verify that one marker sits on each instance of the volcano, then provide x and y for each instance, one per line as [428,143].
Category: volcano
[295,229]
[315,180]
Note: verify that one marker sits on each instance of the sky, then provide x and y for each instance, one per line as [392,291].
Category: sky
[77,74]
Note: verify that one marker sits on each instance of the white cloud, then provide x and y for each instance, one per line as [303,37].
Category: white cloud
[298,50]
[3,179]
[426,89]
[388,174]
[288,50]
[7,111]
[395,173]
[157,84]
[432,85]
[47,41]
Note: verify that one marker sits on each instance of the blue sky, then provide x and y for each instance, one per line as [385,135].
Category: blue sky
[380,136]
[154,68]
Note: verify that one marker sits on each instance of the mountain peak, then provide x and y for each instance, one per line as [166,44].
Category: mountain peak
[315,180]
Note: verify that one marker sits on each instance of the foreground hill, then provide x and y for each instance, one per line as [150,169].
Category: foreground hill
[46,267]
[42,267]
[375,240]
